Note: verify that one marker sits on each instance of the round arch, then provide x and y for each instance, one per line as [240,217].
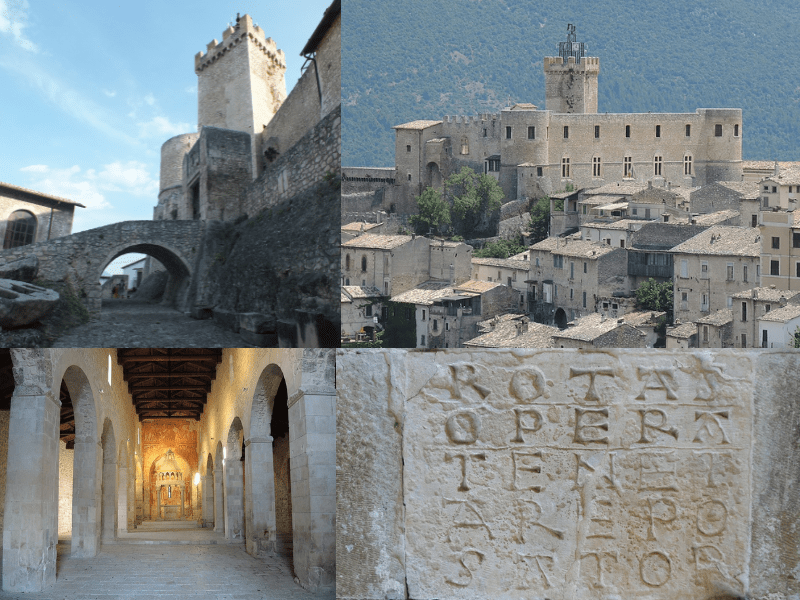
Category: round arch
[560,318]
[433,175]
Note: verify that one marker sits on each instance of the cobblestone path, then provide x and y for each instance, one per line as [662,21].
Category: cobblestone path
[189,572]
[136,324]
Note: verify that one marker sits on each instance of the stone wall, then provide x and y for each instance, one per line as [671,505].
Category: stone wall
[283,490]
[65,463]
[515,474]
[4,418]
[53,220]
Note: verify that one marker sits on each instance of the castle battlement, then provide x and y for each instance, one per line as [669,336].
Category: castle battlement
[587,63]
[471,119]
[232,36]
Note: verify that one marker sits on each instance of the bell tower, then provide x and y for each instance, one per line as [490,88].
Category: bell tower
[571,78]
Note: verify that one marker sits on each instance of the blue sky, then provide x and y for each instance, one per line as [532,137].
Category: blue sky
[92,89]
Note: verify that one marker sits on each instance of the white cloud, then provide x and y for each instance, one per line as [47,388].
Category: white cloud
[91,187]
[191,89]
[13,17]
[161,126]
[150,99]
[109,93]
[36,169]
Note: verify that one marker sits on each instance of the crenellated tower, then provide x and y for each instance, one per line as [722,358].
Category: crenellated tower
[571,78]
[241,81]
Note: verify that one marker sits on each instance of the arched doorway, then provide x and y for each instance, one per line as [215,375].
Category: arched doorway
[108,513]
[86,465]
[561,319]
[434,176]
[170,487]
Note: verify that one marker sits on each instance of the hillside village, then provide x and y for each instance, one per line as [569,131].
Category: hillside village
[635,200]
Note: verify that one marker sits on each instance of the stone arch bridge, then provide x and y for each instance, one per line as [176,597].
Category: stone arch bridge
[82,257]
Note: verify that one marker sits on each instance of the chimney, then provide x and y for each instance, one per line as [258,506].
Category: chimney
[777,169]
[669,185]
[452,273]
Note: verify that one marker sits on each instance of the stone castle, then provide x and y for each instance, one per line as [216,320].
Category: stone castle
[533,152]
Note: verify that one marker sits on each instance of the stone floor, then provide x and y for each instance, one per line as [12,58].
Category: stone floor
[137,324]
[195,564]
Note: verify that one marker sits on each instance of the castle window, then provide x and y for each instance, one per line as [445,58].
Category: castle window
[774,189]
[584,266]
[744,273]
[658,131]
[508,132]
[657,165]
[538,171]
[634,211]
[566,131]
[409,176]
[347,263]
[776,243]
[484,132]
[408,147]
[729,271]
[627,167]
[494,165]
[565,168]
[597,131]
[774,267]
[795,239]
[20,230]
[797,269]
[627,131]
[531,132]
[688,130]
[464,145]
[736,130]
[363,263]
[718,130]
[687,165]
[596,166]
[368,310]
[584,299]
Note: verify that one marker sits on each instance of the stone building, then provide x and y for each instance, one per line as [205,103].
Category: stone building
[780,249]
[27,217]
[749,306]
[569,144]
[102,443]
[741,196]
[715,330]
[513,273]
[568,474]
[712,266]
[596,331]
[779,328]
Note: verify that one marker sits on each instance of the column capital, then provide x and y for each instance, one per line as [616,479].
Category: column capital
[259,440]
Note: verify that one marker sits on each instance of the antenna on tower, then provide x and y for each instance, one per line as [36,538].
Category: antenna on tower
[571,47]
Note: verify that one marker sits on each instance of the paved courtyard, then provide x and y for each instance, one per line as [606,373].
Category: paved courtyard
[195,564]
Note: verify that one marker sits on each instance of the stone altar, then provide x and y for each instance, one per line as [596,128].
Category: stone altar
[568,474]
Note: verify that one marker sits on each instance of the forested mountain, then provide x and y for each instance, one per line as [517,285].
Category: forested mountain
[423,59]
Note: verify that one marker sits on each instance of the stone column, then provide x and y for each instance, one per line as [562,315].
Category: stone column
[208,501]
[146,516]
[219,518]
[122,499]
[312,448]
[158,502]
[183,498]
[234,495]
[260,496]
[86,500]
[30,528]
[139,498]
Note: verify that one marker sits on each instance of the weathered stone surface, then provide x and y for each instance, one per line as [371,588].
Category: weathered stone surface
[23,303]
[24,269]
[564,474]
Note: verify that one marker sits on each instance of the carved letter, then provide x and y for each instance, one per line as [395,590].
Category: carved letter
[660,509]
[710,557]
[532,428]
[591,393]
[706,416]
[463,427]
[466,374]
[605,526]
[529,385]
[600,559]
[660,426]
[579,427]
[522,462]
[465,555]
[463,506]
[524,523]
[714,466]
[655,569]
[653,476]
[526,560]
[464,486]
[665,379]
[712,517]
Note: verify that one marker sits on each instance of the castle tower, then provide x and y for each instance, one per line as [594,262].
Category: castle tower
[241,81]
[571,78]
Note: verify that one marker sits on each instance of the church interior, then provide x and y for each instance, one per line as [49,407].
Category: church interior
[106,454]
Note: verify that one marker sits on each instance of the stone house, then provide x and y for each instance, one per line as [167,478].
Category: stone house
[777,328]
[682,336]
[512,331]
[351,230]
[649,250]
[712,266]
[513,273]
[249,437]
[27,216]
[568,275]
[748,308]
[653,202]
[596,331]
[361,310]
[742,196]
[615,233]
[780,249]
[715,330]
[780,190]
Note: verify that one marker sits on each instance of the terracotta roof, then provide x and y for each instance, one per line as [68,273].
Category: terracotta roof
[422,124]
[749,190]
[382,242]
[425,293]
[590,327]
[573,247]
[601,199]
[682,331]
[642,317]
[476,286]
[357,292]
[624,189]
[766,294]
[715,217]
[507,335]
[717,318]
[783,314]
[521,256]
[523,106]
[766,164]
[39,194]
[345,298]
[357,225]
[727,241]
[614,206]
[621,224]
[505,263]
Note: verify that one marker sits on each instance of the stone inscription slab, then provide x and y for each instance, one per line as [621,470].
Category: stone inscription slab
[622,475]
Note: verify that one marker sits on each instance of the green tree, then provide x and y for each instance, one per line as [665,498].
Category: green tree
[476,201]
[433,212]
[652,295]
[500,249]
[539,225]
[796,337]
